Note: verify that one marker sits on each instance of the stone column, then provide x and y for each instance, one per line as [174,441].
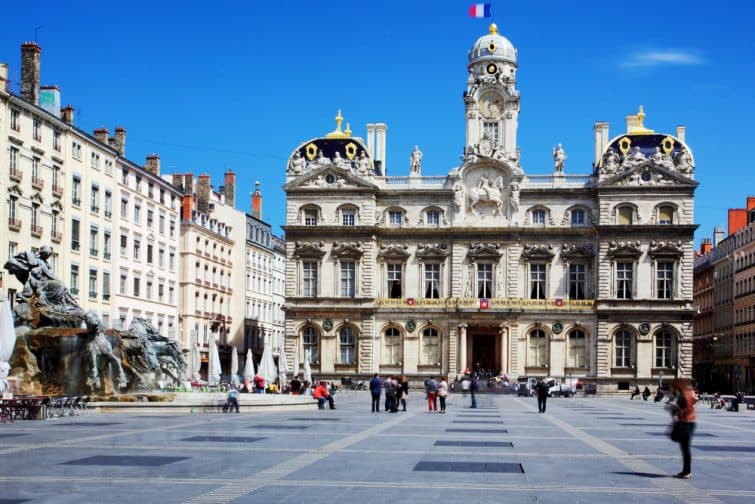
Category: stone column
[462,347]
[504,332]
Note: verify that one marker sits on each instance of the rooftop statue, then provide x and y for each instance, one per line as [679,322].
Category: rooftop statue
[415,161]
[559,158]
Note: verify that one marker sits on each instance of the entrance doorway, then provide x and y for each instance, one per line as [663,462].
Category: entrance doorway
[485,352]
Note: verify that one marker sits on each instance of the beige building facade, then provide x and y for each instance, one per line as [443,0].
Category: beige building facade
[537,275]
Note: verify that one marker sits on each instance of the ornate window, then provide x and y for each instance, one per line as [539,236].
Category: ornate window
[624,279]
[348,279]
[537,281]
[664,348]
[310,216]
[391,346]
[538,217]
[623,348]
[665,214]
[577,281]
[349,216]
[576,356]
[625,215]
[433,218]
[347,345]
[578,217]
[432,280]
[492,131]
[395,218]
[430,347]
[537,349]
[309,278]
[664,273]
[310,344]
[393,278]
[484,280]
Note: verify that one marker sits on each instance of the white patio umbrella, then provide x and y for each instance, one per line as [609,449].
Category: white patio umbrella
[234,367]
[7,331]
[196,363]
[267,366]
[249,365]
[307,369]
[296,362]
[282,368]
[213,372]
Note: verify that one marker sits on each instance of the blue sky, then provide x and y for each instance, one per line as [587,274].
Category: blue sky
[239,84]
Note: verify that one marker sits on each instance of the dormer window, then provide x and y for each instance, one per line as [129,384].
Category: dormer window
[433,218]
[625,215]
[578,217]
[538,217]
[348,217]
[310,217]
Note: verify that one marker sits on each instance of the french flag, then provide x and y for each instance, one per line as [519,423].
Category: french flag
[481,10]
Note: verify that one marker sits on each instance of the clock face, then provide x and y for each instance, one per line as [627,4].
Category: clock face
[491,105]
[491,68]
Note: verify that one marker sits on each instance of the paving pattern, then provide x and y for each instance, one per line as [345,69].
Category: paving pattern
[592,449]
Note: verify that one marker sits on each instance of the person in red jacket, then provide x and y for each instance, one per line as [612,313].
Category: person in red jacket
[321,394]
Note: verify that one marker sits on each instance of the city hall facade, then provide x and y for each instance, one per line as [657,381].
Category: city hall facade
[540,275]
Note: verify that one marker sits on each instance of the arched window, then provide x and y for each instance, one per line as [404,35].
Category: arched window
[625,215]
[623,346]
[666,214]
[576,357]
[577,217]
[392,346]
[347,345]
[664,348]
[311,344]
[430,347]
[538,216]
[537,355]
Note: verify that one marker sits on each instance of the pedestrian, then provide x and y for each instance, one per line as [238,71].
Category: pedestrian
[391,390]
[321,394]
[684,425]
[375,388]
[295,386]
[232,401]
[431,389]
[331,392]
[465,383]
[442,393]
[646,393]
[474,386]
[635,393]
[403,386]
[542,396]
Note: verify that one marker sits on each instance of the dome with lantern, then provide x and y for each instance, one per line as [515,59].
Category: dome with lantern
[492,47]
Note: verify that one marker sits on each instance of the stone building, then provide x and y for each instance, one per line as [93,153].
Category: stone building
[561,275]
[724,279]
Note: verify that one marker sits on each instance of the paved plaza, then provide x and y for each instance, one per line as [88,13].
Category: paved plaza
[582,450]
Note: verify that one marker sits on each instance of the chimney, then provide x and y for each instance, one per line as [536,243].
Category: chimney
[189,183]
[718,235]
[371,140]
[186,204]
[203,194]
[102,134]
[601,140]
[3,77]
[380,129]
[67,114]
[49,99]
[750,203]
[681,133]
[30,71]
[229,189]
[705,246]
[178,182]
[153,164]
[119,143]
[737,219]
[257,201]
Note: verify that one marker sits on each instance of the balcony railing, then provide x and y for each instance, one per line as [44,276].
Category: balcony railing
[74,291]
[95,209]
[36,230]
[93,252]
[16,174]
[76,202]
[108,214]
[57,236]
[14,224]
[57,190]
[106,255]
[92,295]
[37,183]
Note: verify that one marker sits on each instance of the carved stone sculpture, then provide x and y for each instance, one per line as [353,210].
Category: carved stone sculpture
[683,162]
[458,195]
[487,193]
[610,162]
[415,162]
[363,164]
[634,158]
[559,158]
[298,164]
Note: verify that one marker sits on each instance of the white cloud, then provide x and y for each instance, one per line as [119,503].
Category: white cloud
[666,57]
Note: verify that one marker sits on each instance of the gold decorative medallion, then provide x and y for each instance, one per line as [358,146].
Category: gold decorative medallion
[668,145]
[624,144]
[350,150]
[311,151]
[491,69]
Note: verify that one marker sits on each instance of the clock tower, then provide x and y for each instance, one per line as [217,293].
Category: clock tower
[491,101]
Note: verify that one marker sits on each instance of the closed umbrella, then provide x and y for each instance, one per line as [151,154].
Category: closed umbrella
[196,363]
[7,331]
[213,373]
[282,368]
[249,366]
[267,365]
[234,367]
[307,369]
[296,362]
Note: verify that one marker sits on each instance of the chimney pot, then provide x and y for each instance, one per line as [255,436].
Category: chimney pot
[153,164]
[102,134]
[204,188]
[67,114]
[30,71]
[229,188]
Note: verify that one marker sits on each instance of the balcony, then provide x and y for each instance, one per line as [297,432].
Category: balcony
[93,252]
[95,209]
[106,256]
[36,231]
[37,183]
[16,174]
[218,316]
[56,236]
[92,295]
[14,224]
[76,202]
[108,214]
[57,191]
[198,313]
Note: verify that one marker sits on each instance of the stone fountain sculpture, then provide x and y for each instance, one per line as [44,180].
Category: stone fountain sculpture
[61,349]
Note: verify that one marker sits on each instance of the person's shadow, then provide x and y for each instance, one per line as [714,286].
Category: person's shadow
[642,474]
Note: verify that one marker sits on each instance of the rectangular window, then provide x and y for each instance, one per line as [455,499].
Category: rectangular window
[124,208]
[172,261]
[36,129]
[92,284]
[106,245]
[13,210]
[13,161]
[172,228]
[623,349]
[626,215]
[122,285]
[624,279]
[124,245]
[161,257]
[538,217]
[105,285]
[54,223]
[76,150]
[665,279]
[348,216]
[35,227]
[150,249]
[74,279]
[56,140]
[484,280]
[35,161]
[136,286]
[578,218]
[76,191]
[75,234]
[537,281]
[108,204]
[310,217]
[160,292]
[93,239]
[394,272]
[576,349]
[137,249]
[394,218]
[150,218]
[56,180]
[137,213]
[490,130]
[161,224]
[432,281]
[171,294]
[346,346]
[148,290]
[15,119]
[348,279]
[310,279]
[433,218]
[577,281]
[94,199]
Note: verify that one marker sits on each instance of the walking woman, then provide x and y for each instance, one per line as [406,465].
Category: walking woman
[403,387]
[684,426]
[442,393]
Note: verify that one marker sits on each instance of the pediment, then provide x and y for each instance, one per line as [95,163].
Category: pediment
[329,177]
[576,252]
[395,251]
[479,251]
[624,250]
[666,249]
[309,249]
[538,252]
[647,173]
[432,251]
[348,250]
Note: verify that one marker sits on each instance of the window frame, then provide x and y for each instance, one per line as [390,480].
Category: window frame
[430,333]
[537,352]
[624,350]
[391,354]
[347,345]
[533,283]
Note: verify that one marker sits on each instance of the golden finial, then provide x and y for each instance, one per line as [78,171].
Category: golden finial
[337,133]
[493,28]
[347,131]
[635,125]
[641,116]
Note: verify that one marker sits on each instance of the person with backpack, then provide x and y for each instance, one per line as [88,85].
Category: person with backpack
[431,389]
